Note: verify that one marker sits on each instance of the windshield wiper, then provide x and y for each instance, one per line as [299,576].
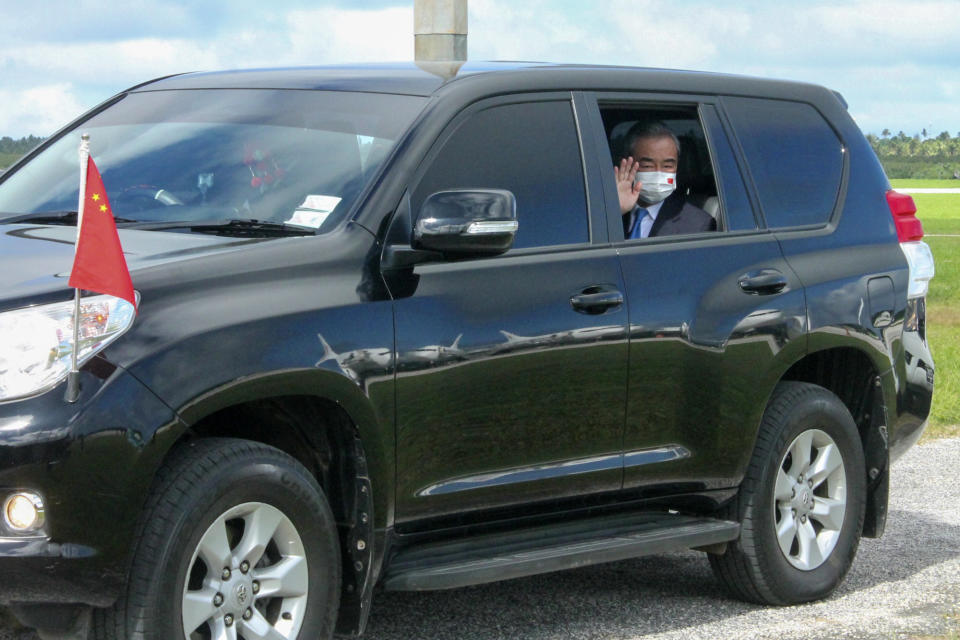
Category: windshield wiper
[235,228]
[50,217]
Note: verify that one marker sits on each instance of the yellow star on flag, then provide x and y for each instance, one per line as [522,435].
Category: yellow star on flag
[95,197]
[103,208]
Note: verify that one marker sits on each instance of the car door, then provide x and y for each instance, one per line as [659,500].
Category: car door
[710,313]
[511,369]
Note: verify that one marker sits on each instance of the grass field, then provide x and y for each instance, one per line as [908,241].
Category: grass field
[940,214]
[926,184]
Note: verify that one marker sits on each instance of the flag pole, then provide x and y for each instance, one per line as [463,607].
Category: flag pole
[73,378]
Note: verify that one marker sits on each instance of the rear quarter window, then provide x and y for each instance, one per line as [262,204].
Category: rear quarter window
[794,156]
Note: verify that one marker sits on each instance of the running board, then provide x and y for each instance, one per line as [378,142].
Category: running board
[527,552]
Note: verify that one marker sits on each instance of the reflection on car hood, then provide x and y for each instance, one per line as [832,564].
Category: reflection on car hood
[36,259]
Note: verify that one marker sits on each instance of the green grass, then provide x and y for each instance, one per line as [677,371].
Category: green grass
[945,345]
[943,317]
[939,212]
[945,287]
[925,184]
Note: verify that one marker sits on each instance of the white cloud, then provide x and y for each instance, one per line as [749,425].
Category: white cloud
[302,37]
[126,61]
[503,30]
[890,24]
[878,53]
[333,35]
[38,110]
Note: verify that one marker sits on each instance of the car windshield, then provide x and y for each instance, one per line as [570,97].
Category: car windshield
[199,156]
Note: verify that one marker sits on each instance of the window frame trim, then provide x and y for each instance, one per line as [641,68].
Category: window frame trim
[706,112]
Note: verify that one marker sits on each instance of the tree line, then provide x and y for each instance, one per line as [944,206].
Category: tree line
[919,155]
[21,146]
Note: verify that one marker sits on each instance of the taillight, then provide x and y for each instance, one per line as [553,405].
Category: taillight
[904,212]
[910,234]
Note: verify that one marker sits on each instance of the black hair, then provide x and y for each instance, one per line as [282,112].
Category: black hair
[648,130]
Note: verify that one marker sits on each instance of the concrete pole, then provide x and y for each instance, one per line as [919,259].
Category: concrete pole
[440,30]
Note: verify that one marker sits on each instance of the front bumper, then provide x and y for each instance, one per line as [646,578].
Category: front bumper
[92,462]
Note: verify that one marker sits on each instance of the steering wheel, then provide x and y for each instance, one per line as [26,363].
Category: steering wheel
[140,197]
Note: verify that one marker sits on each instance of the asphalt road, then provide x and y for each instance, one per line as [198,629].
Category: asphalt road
[906,583]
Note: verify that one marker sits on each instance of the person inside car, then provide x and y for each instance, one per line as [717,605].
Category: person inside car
[646,185]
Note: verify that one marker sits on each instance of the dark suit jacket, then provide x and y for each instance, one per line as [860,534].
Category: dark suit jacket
[677,216]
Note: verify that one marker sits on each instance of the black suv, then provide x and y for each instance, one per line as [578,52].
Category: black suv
[393,330]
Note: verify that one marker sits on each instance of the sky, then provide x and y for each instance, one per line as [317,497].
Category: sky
[896,63]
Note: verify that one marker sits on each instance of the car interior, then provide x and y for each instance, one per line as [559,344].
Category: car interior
[695,175]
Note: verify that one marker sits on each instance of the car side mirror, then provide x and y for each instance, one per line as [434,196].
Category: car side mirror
[467,222]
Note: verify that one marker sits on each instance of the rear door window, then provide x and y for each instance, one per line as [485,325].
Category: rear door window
[795,158]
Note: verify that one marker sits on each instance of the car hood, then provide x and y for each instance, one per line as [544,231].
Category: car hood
[35,260]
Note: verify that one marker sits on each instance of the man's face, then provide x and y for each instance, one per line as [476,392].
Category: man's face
[656,154]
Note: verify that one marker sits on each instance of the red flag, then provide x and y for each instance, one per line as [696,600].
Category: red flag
[98,264]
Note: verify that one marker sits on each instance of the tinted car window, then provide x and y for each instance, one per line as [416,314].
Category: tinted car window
[531,149]
[282,156]
[795,157]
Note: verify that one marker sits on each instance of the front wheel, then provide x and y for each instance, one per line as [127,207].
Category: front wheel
[801,504]
[237,541]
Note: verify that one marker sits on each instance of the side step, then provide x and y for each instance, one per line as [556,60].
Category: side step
[527,552]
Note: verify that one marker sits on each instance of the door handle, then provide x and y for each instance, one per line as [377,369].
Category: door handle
[596,300]
[763,282]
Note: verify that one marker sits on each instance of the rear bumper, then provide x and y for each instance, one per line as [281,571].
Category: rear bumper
[915,393]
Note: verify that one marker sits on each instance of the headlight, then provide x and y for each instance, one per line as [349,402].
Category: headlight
[36,343]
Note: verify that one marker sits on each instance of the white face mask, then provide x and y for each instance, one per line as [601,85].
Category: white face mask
[655,186]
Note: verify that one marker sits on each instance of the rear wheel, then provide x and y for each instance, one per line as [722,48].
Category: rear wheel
[237,541]
[801,504]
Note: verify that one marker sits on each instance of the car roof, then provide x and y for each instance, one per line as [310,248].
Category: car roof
[410,78]
[431,78]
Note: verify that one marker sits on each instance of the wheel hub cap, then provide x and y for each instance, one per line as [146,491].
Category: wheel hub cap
[803,500]
[810,499]
[241,593]
[252,544]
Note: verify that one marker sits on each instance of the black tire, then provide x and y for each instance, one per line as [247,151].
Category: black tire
[760,567]
[215,486]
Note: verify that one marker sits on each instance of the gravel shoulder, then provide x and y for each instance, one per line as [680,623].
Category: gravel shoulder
[906,583]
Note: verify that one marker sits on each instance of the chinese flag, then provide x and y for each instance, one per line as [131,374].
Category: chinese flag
[98,264]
